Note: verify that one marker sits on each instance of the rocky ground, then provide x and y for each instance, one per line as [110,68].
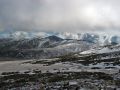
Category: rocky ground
[63,73]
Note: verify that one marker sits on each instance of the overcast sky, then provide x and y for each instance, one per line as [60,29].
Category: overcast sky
[60,15]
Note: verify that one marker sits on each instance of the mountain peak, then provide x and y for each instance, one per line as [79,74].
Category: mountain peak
[54,38]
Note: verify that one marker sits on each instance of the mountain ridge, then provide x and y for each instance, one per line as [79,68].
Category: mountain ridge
[53,45]
[92,37]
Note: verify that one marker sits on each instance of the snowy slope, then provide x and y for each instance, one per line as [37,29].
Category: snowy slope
[103,49]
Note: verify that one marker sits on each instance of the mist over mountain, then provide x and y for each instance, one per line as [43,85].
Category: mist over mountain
[59,44]
[53,28]
[64,15]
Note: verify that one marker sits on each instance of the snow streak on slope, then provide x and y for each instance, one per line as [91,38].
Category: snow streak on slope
[103,49]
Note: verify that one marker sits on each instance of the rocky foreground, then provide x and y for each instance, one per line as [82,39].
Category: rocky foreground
[70,72]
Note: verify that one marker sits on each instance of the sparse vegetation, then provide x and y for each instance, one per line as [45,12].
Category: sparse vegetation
[17,80]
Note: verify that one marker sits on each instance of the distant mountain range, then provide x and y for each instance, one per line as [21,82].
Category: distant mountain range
[27,45]
[96,38]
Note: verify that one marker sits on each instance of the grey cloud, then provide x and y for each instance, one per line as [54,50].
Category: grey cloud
[60,15]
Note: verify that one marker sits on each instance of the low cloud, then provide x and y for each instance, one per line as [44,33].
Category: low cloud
[60,15]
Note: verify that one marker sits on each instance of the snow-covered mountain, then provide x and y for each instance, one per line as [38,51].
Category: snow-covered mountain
[51,44]
[90,37]
[102,39]
[17,35]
